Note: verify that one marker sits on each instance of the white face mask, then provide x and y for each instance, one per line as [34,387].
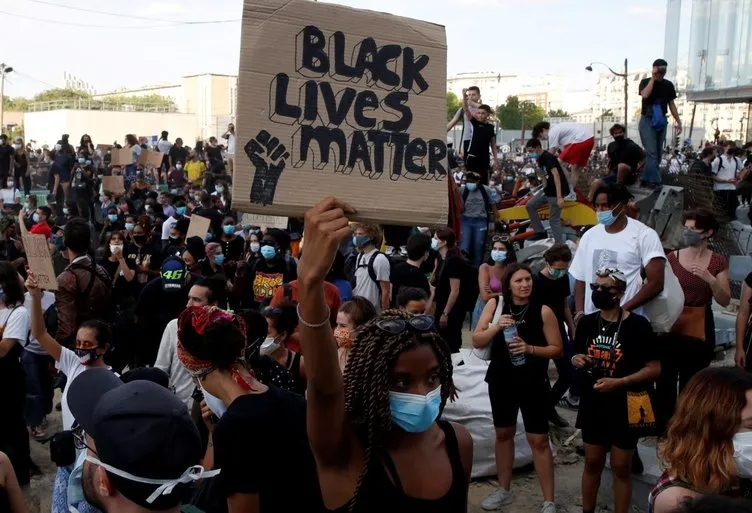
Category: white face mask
[115,248]
[16,147]
[215,404]
[743,454]
[255,246]
[268,346]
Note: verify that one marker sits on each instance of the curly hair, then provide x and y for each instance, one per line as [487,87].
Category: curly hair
[698,448]
[367,383]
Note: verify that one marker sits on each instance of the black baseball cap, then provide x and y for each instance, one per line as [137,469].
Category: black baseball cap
[140,428]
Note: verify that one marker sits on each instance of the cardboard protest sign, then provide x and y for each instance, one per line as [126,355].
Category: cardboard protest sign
[121,157]
[198,226]
[150,158]
[269,221]
[113,183]
[343,102]
[104,147]
[38,256]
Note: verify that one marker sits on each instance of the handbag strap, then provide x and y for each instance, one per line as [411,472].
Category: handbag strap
[499,308]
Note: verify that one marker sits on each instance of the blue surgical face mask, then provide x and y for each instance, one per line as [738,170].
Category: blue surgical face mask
[180,211]
[268,252]
[435,244]
[219,188]
[35,217]
[209,237]
[606,218]
[533,155]
[556,273]
[498,255]
[228,229]
[129,226]
[361,240]
[219,259]
[75,483]
[471,186]
[112,217]
[81,160]
[415,413]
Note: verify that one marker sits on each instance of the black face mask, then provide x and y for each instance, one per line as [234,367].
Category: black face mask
[730,151]
[139,239]
[619,138]
[603,300]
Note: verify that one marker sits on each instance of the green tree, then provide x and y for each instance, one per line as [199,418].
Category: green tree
[514,114]
[558,113]
[453,103]
[61,94]
[17,103]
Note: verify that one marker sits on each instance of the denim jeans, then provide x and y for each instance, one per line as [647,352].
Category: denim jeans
[554,215]
[653,141]
[39,390]
[474,231]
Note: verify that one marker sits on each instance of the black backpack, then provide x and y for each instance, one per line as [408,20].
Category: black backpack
[370,266]
[720,165]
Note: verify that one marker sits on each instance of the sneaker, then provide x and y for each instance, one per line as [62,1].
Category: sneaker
[548,507]
[496,499]
[556,419]
[570,402]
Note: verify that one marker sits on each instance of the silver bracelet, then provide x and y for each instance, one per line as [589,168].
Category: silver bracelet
[308,324]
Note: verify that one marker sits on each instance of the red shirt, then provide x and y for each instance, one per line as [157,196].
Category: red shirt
[42,228]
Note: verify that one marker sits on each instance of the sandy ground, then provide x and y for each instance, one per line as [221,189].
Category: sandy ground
[527,494]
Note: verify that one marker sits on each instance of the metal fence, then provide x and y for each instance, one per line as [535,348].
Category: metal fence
[131,105]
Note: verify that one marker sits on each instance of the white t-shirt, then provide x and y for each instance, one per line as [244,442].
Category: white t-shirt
[467,131]
[181,381]
[10,195]
[629,251]
[167,227]
[564,134]
[731,168]
[48,299]
[14,323]
[69,365]
[364,285]
[164,146]
[230,145]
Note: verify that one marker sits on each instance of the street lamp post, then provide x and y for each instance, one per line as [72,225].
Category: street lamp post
[625,76]
[3,70]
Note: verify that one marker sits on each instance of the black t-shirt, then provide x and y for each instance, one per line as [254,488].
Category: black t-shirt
[6,150]
[262,277]
[123,289]
[452,267]
[553,294]
[634,347]
[548,162]
[233,249]
[483,134]
[146,255]
[623,152]
[529,324]
[157,307]
[214,155]
[406,275]
[663,92]
[178,154]
[261,445]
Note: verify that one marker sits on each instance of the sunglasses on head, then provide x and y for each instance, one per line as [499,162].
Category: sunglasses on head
[419,323]
[500,238]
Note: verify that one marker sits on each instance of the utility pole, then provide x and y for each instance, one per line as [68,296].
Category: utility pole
[3,70]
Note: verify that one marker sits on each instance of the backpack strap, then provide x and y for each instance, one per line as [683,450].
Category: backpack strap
[372,268]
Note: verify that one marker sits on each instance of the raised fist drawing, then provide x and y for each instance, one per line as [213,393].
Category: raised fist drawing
[268,156]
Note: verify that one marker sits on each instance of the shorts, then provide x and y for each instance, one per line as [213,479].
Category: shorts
[609,438]
[578,154]
[533,401]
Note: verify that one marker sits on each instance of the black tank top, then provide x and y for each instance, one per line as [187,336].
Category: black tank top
[382,491]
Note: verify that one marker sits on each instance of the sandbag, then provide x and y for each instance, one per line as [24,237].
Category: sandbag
[472,409]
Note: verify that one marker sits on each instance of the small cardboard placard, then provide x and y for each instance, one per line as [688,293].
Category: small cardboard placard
[114,184]
[121,157]
[268,221]
[38,257]
[336,101]
[199,226]
[150,158]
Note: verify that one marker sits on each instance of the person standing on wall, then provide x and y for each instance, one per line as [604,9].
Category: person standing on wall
[658,95]
[230,136]
[484,137]
[473,100]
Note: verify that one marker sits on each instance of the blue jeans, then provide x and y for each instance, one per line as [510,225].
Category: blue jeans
[653,141]
[474,231]
[39,390]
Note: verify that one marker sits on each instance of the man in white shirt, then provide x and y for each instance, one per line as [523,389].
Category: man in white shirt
[372,268]
[164,146]
[473,101]
[575,142]
[230,136]
[725,170]
[621,243]
[205,292]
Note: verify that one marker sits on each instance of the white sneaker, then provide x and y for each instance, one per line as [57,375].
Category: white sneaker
[496,499]
[548,507]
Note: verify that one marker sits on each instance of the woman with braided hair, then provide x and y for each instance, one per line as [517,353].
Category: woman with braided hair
[252,417]
[375,434]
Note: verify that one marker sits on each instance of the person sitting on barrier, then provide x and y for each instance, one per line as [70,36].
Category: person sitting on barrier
[625,159]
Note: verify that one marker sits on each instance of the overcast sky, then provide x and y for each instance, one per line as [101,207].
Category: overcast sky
[42,41]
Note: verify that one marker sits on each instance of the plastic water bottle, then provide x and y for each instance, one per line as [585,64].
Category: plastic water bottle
[510,333]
